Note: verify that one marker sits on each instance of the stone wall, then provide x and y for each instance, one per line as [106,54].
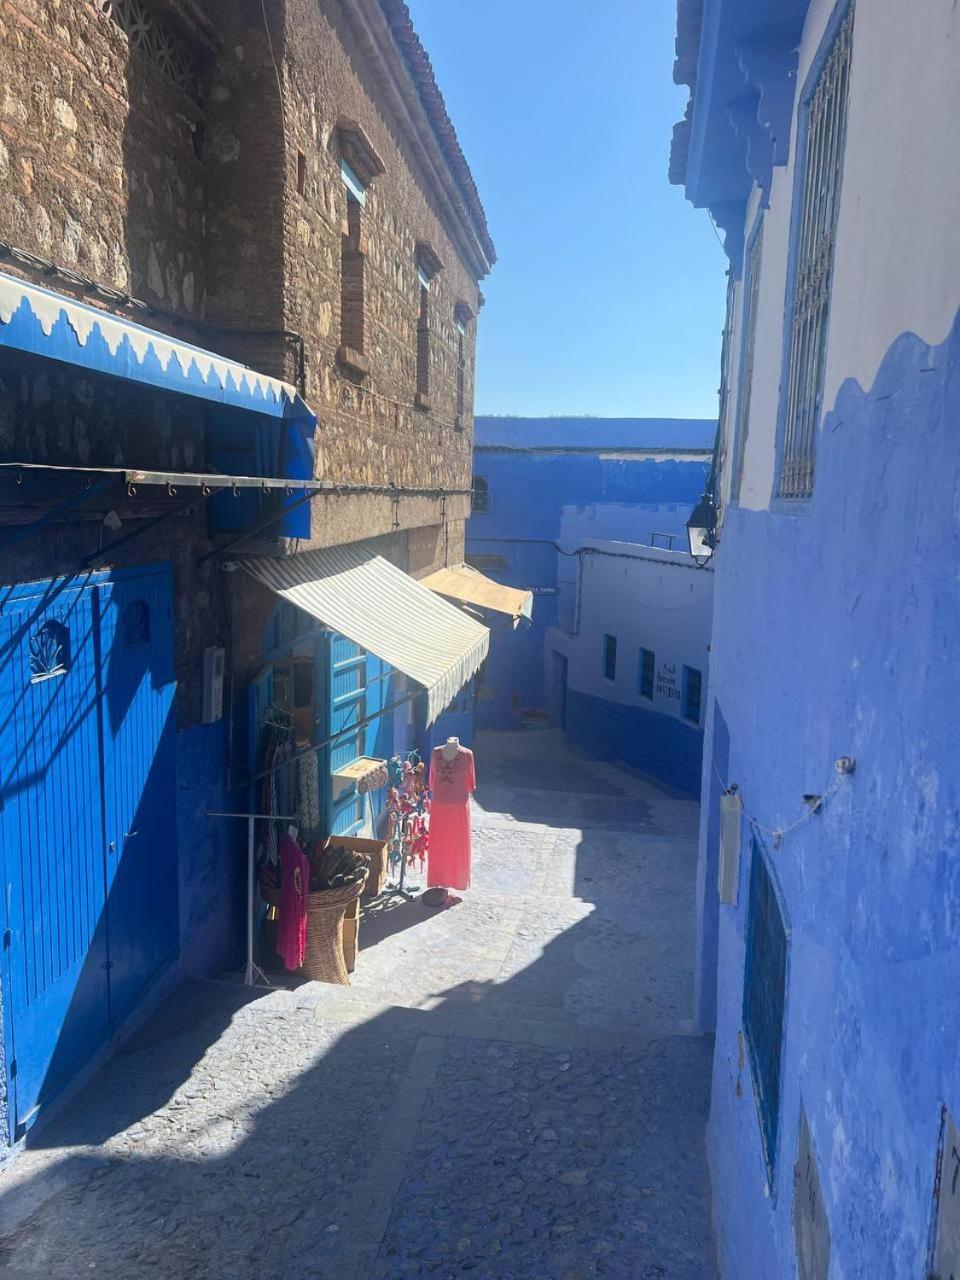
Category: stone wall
[168,166]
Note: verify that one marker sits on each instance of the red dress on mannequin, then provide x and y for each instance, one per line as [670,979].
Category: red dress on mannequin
[451,782]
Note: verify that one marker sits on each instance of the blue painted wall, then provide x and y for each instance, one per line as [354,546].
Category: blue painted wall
[212,854]
[836,634]
[660,745]
[531,495]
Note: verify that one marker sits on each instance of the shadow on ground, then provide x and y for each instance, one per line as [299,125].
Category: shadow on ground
[541,1120]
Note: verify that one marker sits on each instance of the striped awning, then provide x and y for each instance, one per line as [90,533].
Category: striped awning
[468,585]
[385,611]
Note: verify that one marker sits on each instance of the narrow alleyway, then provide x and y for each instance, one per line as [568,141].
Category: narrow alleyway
[509,1089]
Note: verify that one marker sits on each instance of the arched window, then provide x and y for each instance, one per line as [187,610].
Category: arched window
[49,651]
[481,496]
[136,624]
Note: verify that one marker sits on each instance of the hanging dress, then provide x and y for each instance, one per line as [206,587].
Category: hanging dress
[294,883]
[452,782]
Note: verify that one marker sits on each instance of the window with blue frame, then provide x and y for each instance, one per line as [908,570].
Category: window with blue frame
[764,997]
[609,657]
[816,208]
[645,681]
[692,688]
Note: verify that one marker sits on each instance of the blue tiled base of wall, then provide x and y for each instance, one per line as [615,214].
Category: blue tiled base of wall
[662,746]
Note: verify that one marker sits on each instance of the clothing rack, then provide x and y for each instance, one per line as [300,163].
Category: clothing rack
[250,968]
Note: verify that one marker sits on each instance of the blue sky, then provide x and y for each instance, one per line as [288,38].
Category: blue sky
[608,294]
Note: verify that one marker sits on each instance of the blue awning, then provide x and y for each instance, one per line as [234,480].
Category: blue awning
[44,323]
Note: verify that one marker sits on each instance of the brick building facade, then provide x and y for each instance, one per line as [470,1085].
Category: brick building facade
[278,184]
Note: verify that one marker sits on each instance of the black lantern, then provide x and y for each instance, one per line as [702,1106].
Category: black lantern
[702,528]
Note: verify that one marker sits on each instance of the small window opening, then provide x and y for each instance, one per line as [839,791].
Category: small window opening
[49,652]
[692,682]
[351,279]
[423,347]
[301,173]
[136,624]
[609,658]
[480,504]
[647,662]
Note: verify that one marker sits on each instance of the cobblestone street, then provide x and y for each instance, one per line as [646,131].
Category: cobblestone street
[510,1088]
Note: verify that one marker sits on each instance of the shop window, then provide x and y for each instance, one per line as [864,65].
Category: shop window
[764,996]
[49,652]
[480,505]
[647,661]
[609,658]
[136,624]
[691,692]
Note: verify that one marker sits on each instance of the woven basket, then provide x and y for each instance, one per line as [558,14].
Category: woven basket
[324,960]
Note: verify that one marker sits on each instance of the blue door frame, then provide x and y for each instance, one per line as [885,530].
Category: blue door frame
[87,817]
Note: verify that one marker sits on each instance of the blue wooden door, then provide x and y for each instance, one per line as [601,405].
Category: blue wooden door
[139,767]
[348,696]
[56,1004]
[88,825]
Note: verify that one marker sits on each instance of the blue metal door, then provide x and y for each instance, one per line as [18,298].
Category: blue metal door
[55,976]
[348,697]
[139,770]
[86,756]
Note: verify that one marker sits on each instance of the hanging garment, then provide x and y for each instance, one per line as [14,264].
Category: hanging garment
[452,782]
[292,925]
[309,809]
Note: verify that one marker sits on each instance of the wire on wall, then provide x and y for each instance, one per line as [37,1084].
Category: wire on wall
[814,803]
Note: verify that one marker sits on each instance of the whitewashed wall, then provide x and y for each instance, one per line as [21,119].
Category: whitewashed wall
[897,266]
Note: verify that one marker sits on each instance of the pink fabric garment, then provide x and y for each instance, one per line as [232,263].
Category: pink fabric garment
[451,782]
[294,883]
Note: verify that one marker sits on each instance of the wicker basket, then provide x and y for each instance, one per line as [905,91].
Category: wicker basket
[324,959]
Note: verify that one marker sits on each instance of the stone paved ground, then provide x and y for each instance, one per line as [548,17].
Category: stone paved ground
[510,1088]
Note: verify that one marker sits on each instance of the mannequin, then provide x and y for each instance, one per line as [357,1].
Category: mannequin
[452,780]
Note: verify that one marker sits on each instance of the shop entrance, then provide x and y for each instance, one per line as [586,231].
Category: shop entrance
[87,817]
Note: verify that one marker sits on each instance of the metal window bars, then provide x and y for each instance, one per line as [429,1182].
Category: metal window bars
[820,204]
[746,375]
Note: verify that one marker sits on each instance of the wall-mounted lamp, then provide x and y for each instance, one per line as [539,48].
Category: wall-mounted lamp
[702,529]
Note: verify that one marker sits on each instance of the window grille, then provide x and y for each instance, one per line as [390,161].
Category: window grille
[49,651]
[692,688]
[647,661]
[609,657]
[826,125]
[481,496]
[764,993]
[150,37]
[746,371]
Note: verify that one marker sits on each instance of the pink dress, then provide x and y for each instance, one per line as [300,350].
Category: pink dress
[451,782]
[294,882]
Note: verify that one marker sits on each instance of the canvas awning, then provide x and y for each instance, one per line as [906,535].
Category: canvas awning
[385,611]
[44,323]
[469,586]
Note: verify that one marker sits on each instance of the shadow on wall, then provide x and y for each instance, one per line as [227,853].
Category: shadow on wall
[665,747]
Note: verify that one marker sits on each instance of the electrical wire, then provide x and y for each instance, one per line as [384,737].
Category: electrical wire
[779,834]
